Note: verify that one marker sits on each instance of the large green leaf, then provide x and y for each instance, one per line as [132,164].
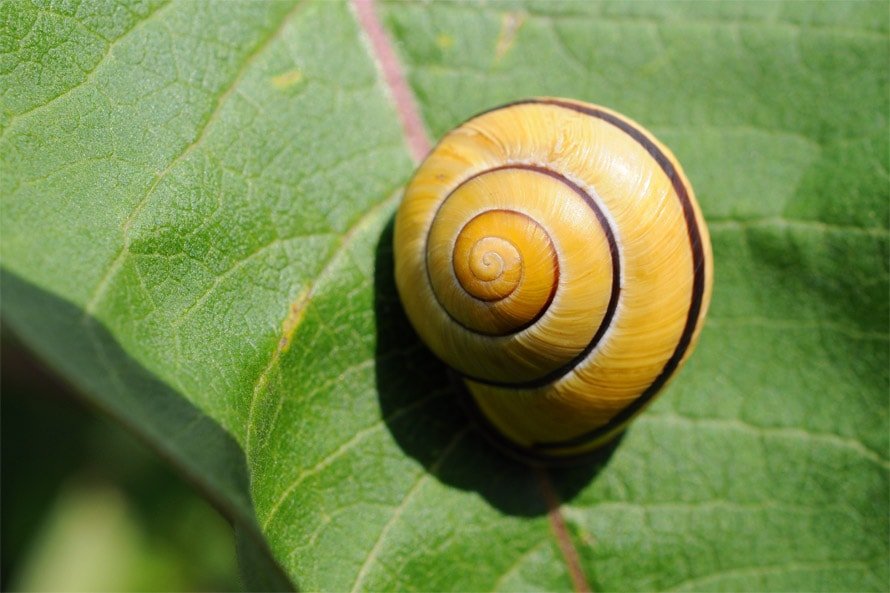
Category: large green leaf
[195,208]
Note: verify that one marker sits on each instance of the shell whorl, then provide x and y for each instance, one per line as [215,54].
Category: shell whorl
[553,254]
[506,261]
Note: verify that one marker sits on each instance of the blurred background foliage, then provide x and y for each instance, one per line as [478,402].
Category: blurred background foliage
[86,506]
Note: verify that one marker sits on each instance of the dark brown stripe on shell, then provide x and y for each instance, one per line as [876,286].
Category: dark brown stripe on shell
[613,297]
[534,457]
[698,265]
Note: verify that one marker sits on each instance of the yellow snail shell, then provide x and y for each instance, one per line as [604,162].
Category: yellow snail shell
[552,253]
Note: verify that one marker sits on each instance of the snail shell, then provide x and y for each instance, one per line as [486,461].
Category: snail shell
[553,254]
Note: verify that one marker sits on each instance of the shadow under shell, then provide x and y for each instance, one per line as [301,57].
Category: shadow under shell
[424,406]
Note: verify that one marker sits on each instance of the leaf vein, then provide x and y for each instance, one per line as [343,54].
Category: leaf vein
[754,571]
[296,313]
[240,263]
[345,447]
[397,512]
[837,441]
[106,278]
[513,568]
[88,74]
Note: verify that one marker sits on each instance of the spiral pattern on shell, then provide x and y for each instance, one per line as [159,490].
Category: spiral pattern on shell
[553,254]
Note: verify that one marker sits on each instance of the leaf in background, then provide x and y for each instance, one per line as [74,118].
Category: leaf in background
[194,231]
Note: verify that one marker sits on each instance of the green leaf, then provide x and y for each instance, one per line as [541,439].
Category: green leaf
[195,209]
